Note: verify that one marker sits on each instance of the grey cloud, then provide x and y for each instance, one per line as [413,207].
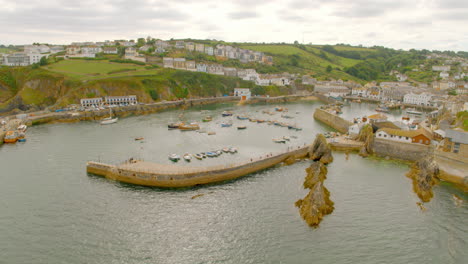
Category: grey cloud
[243,15]
[451,4]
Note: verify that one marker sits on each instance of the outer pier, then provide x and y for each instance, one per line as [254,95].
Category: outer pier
[173,176]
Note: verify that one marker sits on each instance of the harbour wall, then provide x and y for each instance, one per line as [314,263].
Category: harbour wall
[332,120]
[187,178]
[398,150]
[70,117]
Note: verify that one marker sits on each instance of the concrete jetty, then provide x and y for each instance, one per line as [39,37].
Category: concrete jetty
[173,176]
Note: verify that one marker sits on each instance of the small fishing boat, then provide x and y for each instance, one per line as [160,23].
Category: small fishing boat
[241,127]
[279,109]
[279,140]
[286,138]
[109,120]
[260,121]
[225,150]
[210,154]
[139,138]
[413,111]
[207,119]
[175,125]
[407,118]
[218,152]
[294,127]
[287,116]
[174,157]
[187,157]
[242,117]
[198,156]
[232,150]
[21,137]
[211,133]
[253,120]
[227,113]
[22,128]
[382,109]
[191,126]
[11,137]
[226,124]
[22,140]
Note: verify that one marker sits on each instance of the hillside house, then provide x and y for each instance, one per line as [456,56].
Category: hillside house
[145,48]
[332,89]
[190,46]
[119,100]
[209,50]
[168,62]
[201,67]
[190,66]
[420,136]
[180,63]
[230,71]
[36,49]
[248,74]
[418,99]
[441,68]
[110,50]
[355,129]
[131,52]
[90,51]
[444,75]
[456,141]
[73,50]
[199,47]
[215,69]
[56,49]
[179,44]
[127,43]
[91,102]
[17,59]
[162,44]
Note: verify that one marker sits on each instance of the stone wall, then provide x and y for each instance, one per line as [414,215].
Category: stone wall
[332,120]
[398,150]
[190,178]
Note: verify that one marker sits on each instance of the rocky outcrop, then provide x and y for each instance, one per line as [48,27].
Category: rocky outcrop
[320,150]
[366,135]
[425,174]
[316,204]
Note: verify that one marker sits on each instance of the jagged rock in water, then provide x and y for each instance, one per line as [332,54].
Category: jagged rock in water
[425,174]
[317,172]
[366,135]
[315,205]
[320,150]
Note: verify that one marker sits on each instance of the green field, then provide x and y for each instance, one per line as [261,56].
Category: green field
[88,69]
[5,50]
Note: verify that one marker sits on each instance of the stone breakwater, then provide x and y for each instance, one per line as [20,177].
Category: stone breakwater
[332,120]
[173,176]
[71,117]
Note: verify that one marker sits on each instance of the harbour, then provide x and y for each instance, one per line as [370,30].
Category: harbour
[374,201]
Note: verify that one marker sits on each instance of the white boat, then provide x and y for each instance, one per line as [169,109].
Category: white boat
[279,140]
[22,128]
[286,138]
[109,120]
[413,111]
[187,157]
[174,157]
[233,150]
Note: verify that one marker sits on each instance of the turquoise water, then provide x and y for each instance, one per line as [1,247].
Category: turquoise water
[51,211]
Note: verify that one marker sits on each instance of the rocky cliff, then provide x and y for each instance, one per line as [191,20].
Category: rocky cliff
[316,204]
[424,174]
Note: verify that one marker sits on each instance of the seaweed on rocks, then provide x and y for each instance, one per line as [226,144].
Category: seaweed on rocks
[366,135]
[320,150]
[316,204]
[425,174]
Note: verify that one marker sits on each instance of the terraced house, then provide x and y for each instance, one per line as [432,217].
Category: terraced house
[420,136]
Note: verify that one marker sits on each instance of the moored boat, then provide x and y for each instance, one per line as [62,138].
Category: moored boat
[175,125]
[382,109]
[187,157]
[227,113]
[11,137]
[232,150]
[109,120]
[241,127]
[286,138]
[279,140]
[242,117]
[188,127]
[22,128]
[207,119]
[226,124]
[211,154]
[198,156]
[139,138]
[413,111]
[174,157]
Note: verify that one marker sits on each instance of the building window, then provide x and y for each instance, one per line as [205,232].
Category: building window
[456,147]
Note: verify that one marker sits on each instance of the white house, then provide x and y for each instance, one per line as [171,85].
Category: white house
[355,129]
[243,93]
[209,50]
[201,67]
[418,99]
[248,74]
[441,68]
[444,75]
[90,51]
[118,100]
[87,102]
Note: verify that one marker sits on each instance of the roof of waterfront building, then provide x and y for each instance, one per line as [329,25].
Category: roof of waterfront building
[406,133]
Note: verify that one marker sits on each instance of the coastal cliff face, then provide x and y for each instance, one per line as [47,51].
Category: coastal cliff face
[316,204]
[424,174]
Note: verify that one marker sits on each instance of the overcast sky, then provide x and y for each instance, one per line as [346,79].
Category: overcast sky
[420,24]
